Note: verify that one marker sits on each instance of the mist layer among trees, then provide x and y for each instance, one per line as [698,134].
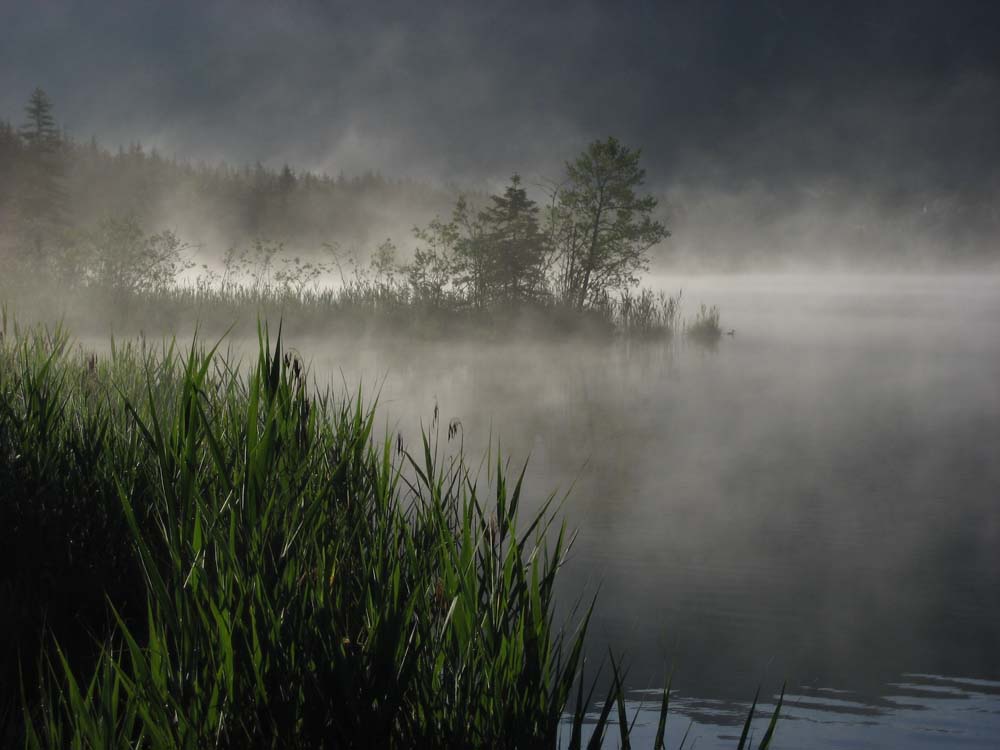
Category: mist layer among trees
[55,188]
[583,250]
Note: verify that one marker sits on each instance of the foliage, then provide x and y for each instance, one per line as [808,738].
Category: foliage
[491,257]
[234,204]
[304,583]
[39,130]
[298,583]
[251,267]
[602,228]
[513,247]
[705,326]
[37,201]
[432,275]
[121,256]
[592,244]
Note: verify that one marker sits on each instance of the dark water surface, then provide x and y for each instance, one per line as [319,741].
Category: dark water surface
[817,500]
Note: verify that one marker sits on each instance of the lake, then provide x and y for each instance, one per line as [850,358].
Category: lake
[816,499]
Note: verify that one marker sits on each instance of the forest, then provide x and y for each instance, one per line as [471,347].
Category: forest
[85,219]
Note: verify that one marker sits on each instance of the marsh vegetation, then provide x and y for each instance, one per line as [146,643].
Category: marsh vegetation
[204,553]
[498,262]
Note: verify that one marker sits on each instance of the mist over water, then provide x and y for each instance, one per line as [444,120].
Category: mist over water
[814,499]
[810,498]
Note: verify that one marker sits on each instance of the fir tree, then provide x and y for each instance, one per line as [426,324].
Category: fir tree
[41,197]
[39,130]
[514,247]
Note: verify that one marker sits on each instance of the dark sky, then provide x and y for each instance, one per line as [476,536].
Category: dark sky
[717,94]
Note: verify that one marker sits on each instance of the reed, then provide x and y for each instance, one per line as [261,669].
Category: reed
[355,307]
[224,556]
[705,327]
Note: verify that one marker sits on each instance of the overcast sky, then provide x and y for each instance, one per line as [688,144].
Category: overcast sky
[894,94]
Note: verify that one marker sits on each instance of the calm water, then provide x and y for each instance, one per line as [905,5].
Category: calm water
[816,500]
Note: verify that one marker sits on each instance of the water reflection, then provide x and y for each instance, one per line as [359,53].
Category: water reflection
[917,711]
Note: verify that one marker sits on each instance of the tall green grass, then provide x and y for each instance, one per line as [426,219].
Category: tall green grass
[198,554]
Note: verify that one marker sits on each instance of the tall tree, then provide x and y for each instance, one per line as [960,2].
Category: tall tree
[601,226]
[41,197]
[39,129]
[497,254]
[470,264]
[514,247]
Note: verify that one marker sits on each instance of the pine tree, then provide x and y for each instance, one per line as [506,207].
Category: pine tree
[40,130]
[41,197]
[514,247]
[286,181]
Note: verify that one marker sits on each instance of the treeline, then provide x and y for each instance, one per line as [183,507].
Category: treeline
[583,248]
[54,188]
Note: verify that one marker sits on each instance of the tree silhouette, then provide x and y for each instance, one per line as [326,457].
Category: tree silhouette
[41,197]
[513,246]
[602,227]
[39,130]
